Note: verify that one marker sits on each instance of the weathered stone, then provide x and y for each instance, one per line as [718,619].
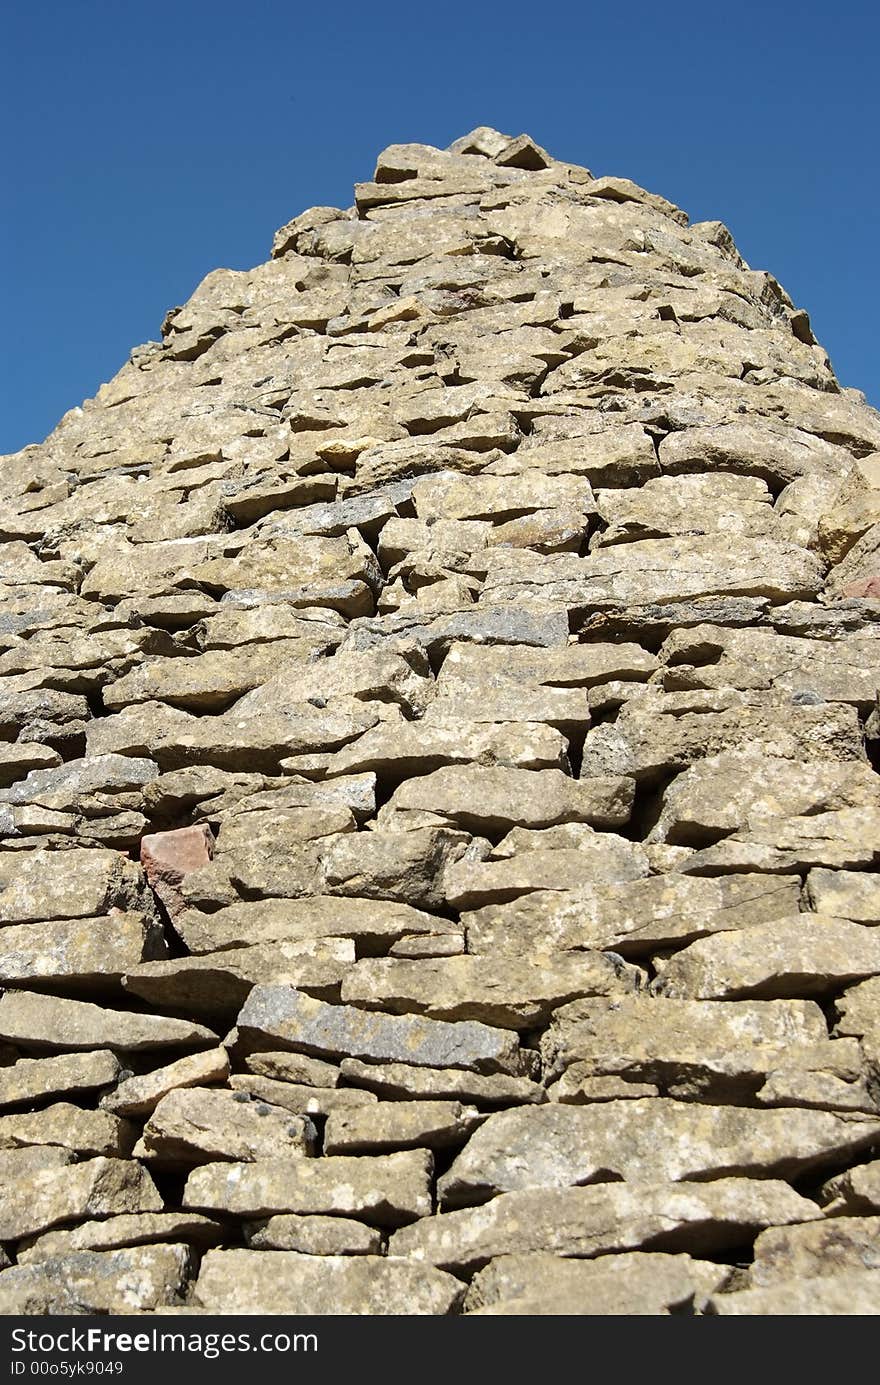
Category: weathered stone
[383,1190]
[585,1222]
[282,1281]
[495,800]
[406,867]
[602,857]
[313,1236]
[669,731]
[194,1125]
[169,856]
[733,792]
[42,1021]
[42,885]
[816,1249]
[846,838]
[370,923]
[37,1198]
[854,1192]
[842,1295]
[809,954]
[507,992]
[293,1067]
[633,917]
[29,1079]
[557,1145]
[140,1280]
[299,1097]
[282,1015]
[405,1081]
[138,1096]
[70,1127]
[398,1125]
[613,1285]
[845,895]
[717,1049]
[219,982]
[128,1229]
[79,950]
[411,749]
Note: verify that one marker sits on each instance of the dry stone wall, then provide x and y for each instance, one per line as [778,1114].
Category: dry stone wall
[437,807]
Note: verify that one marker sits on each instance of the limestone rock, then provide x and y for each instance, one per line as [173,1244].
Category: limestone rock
[638,1284]
[809,954]
[495,800]
[37,1198]
[194,1125]
[281,1014]
[398,1125]
[283,1281]
[140,1280]
[127,1229]
[42,885]
[139,1095]
[840,1245]
[555,1146]
[408,1082]
[586,1222]
[843,1295]
[70,1127]
[42,1021]
[29,1079]
[383,1190]
[313,1235]
[506,992]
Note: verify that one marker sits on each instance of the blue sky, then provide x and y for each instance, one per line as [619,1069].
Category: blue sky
[144,144]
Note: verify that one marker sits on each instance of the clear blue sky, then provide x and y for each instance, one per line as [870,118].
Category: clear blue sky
[144,144]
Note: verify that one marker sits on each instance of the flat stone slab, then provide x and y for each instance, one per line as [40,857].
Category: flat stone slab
[282,1015]
[383,1190]
[43,1021]
[283,1281]
[556,1145]
[698,1218]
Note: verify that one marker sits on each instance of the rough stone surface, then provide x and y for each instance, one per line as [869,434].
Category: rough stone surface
[438,739]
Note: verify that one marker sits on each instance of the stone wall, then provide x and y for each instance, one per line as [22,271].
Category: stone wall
[439,829]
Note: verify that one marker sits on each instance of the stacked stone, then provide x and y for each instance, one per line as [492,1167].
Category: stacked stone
[439,832]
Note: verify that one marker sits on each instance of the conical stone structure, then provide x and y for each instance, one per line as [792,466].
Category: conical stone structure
[439,832]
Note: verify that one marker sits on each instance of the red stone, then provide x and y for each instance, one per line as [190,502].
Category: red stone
[168,856]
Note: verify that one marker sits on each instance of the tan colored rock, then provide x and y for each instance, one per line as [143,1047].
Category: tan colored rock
[599,856]
[40,885]
[388,1125]
[816,1249]
[406,867]
[632,917]
[695,1046]
[280,1014]
[585,1222]
[95,951]
[495,800]
[128,1229]
[70,1127]
[195,1125]
[26,1080]
[736,792]
[407,1082]
[508,992]
[845,894]
[366,921]
[383,1190]
[558,1145]
[845,839]
[294,1068]
[843,1295]
[282,1281]
[810,954]
[313,1235]
[219,982]
[614,1285]
[853,1193]
[38,1198]
[43,1021]
[418,748]
[137,1280]
[138,1096]
[669,731]
[299,1097]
